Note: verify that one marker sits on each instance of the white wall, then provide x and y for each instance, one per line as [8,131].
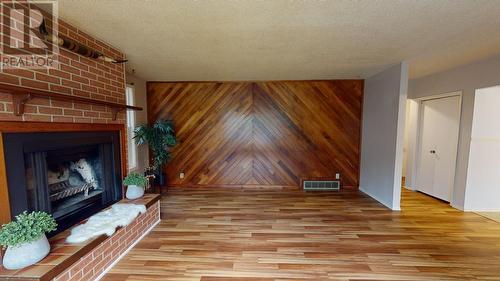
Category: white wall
[382,135]
[405,138]
[411,133]
[141,117]
[483,178]
[467,79]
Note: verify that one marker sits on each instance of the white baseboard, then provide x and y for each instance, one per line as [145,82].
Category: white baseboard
[409,188]
[378,199]
[461,208]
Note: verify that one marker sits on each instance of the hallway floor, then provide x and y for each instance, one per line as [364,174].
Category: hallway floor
[491,215]
[222,234]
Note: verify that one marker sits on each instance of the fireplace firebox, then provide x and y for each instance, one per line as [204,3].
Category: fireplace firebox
[70,175]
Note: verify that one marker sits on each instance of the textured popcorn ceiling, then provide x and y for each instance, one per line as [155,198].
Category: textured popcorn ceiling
[173,40]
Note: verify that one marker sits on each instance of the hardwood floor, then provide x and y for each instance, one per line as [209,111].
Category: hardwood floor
[221,234]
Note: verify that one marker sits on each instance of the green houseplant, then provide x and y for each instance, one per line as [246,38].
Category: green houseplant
[160,137]
[25,239]
[135,183]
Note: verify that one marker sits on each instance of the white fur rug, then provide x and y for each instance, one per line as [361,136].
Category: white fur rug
[105,222]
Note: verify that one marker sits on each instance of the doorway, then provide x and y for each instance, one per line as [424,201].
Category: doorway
[438,129]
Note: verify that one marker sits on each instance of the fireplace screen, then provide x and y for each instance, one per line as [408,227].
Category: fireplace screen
[69,175]
[65,180]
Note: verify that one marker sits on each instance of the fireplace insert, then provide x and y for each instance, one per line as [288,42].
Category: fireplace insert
[69,175]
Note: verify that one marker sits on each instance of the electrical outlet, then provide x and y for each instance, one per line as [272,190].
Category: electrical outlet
[181,175]
[337,176]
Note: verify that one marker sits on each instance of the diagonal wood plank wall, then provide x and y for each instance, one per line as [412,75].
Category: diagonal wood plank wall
[261,133]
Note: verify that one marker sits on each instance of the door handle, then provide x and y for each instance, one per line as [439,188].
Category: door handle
[432,152]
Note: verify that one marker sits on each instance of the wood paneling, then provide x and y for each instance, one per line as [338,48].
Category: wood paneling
[27,127]
[223,234]
[261,133]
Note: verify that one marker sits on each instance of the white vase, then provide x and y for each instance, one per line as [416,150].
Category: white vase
[134,192]
[26,254]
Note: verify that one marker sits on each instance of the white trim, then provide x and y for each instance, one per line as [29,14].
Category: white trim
[440,96]
[409,188]
[461,208]
[131,116]
[487,139]
[482,210]
[131,246]
[418,145]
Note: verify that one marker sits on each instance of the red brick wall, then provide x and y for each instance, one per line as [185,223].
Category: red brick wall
[75,75]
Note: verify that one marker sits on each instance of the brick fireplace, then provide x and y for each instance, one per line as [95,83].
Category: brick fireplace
[75,76]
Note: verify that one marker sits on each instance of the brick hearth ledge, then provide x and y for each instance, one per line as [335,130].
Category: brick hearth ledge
[92,259]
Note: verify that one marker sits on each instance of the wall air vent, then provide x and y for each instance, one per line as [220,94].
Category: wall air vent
[320,185]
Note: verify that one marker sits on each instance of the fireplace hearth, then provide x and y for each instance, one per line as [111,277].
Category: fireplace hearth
[71,175]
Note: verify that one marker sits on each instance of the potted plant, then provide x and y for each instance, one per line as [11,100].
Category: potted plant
[135,183]
[160,137]
[25,239]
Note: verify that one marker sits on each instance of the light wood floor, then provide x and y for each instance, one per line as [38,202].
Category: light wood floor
[231,234]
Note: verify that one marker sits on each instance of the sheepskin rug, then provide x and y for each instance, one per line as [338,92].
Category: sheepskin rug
[105,222]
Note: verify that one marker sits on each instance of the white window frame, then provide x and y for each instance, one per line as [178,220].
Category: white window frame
[131,124]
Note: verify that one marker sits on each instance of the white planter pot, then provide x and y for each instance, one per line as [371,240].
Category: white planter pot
[134,192]
[26,254]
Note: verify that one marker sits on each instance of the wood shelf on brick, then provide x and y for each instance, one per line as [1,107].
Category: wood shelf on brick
[22,95]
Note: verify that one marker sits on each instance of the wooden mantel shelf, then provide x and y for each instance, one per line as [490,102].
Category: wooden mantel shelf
[22,95]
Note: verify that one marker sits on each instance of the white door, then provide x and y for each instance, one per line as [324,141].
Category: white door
[440,121]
